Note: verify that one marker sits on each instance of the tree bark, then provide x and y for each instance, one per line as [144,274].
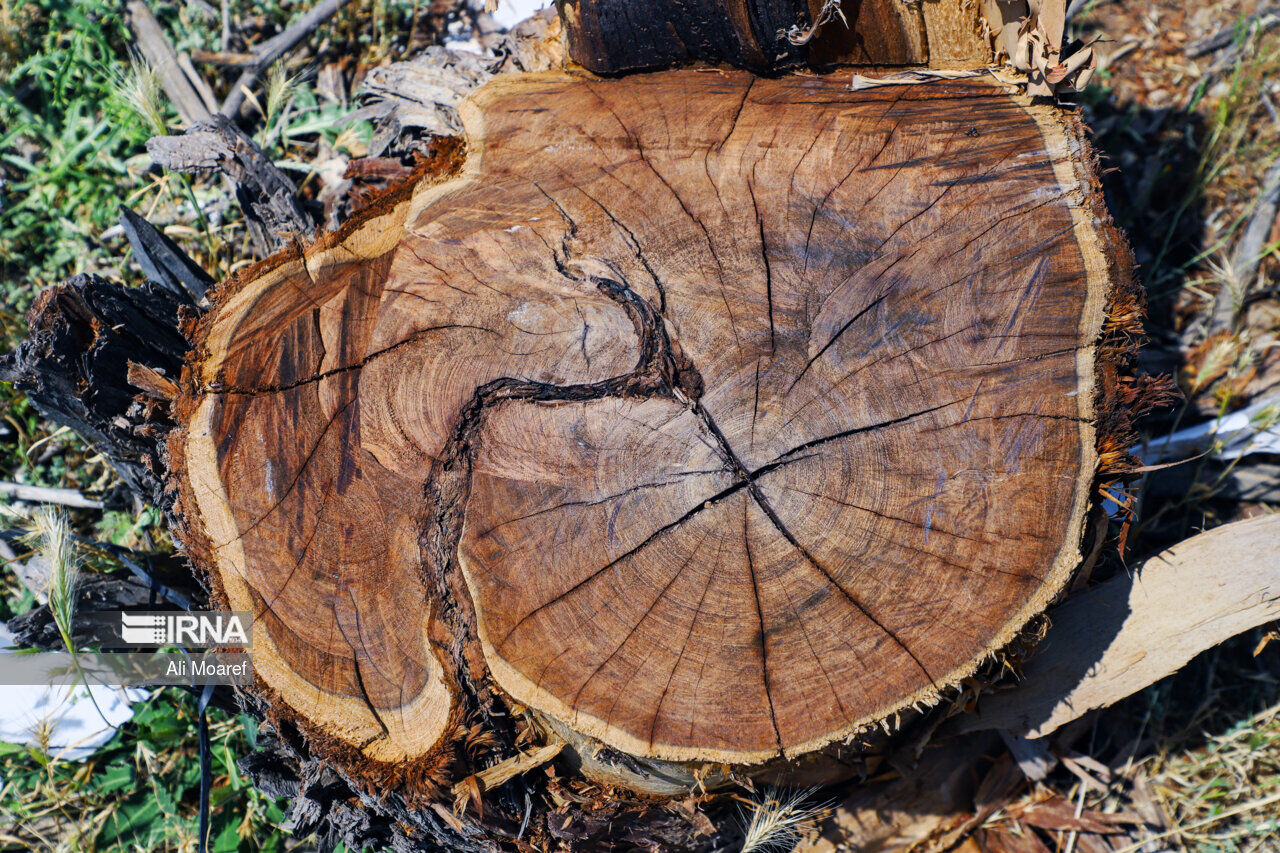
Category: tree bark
[84,335]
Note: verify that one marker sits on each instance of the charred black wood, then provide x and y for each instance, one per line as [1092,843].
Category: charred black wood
[74,367]
[162,261]
[269,200]
[97,592]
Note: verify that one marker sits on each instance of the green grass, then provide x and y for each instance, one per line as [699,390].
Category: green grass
[72,137]
[140,790]
[68,144]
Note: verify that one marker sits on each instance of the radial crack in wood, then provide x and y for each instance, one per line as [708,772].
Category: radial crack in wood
[713,417]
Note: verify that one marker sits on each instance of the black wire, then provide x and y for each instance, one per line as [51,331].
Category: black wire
[206,766]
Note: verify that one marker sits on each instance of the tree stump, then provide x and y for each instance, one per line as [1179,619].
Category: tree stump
[711,418]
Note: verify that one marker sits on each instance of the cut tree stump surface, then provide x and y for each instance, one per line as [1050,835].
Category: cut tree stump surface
[750,411]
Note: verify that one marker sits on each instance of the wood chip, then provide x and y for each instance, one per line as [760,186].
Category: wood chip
[499,774]
[1113,640]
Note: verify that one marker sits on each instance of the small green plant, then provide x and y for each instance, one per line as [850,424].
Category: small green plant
[68,147]
[139,791]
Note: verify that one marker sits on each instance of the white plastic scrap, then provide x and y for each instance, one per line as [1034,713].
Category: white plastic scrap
[1253,429]
[73,727]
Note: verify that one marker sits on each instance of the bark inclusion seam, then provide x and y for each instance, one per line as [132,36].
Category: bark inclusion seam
[662,370]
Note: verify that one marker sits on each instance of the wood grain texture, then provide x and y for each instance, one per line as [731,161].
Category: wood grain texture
[1121,636]
[725,416]
[956,33]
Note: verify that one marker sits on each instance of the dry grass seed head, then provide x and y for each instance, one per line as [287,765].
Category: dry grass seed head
[138,90]
[49,532]
[779,819]
[282,88]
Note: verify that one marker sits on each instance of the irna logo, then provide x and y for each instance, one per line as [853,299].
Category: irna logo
[193,630]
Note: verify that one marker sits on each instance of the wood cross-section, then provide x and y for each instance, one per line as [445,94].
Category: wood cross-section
[748,412]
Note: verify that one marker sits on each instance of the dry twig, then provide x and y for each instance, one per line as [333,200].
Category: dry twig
[275,47]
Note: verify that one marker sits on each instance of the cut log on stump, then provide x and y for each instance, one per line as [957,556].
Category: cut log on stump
[614,36]
[712,418]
